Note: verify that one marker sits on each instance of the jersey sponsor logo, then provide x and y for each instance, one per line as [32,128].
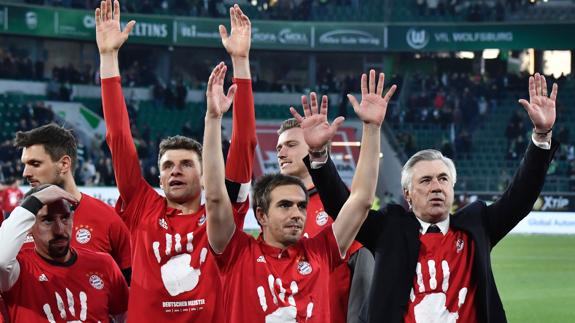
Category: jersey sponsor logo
[261,259]
[202,220]
[304,268]
[96,282]
[321,218]
[42,278]
[459,245]
[83,236]
[163,223]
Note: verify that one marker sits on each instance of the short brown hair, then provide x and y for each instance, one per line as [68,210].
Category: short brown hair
[264,186]
[180,142]
[288,124]
[56,140]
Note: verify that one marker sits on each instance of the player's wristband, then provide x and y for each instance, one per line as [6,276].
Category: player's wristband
[32,204]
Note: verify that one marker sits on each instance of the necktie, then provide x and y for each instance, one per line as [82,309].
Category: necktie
[433,229]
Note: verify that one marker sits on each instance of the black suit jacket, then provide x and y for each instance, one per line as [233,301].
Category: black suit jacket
[392,235]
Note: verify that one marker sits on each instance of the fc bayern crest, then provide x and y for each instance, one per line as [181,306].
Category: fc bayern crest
[459,245]
[202,220]
[321,218]
[96,282]
[83,236]
[304,268]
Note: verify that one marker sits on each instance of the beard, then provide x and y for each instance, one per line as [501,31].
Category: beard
[58,251]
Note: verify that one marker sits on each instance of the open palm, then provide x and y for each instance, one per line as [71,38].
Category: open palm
[218,102]
[373,106]
[109,35]
[317,131]
[238,42]
[540,108]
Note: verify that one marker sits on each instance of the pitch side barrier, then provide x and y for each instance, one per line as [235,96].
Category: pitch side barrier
[73,24]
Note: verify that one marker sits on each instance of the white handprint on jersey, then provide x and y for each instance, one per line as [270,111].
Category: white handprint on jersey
[67,311]
[285,314]
[178,275]
[432,307]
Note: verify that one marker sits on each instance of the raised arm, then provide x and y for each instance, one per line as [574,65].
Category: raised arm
[318,133]
[110,38]
[243,141]
[371,111]
[220,219]
[14,230]
[518,199]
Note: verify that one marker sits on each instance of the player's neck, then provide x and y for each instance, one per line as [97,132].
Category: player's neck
[70,187]
[307,181]
[188,207]
[57,260]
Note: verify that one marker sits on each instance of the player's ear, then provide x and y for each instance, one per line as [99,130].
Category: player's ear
[261,216]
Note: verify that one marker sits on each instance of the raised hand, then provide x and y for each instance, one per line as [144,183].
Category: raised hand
[541,108]
[237,44]
[109,35]
[373,106]
[218,102]
[316,129]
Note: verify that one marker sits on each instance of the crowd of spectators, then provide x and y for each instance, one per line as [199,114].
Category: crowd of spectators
[302,10]
[471,10]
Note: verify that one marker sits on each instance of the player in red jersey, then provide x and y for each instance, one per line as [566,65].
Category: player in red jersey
[49,155]
[347,294]
[55,282]
[175,277]
[10,196]
[280,277]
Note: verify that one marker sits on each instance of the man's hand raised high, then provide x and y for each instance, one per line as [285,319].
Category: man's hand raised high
[316,129]
[109,35]
[238,42]
[218,102]
[373,106]
[541,108]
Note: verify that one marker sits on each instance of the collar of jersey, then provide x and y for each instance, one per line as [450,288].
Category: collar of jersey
[277,253]
[170,211]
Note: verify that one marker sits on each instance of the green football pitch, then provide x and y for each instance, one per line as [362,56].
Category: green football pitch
[535,276]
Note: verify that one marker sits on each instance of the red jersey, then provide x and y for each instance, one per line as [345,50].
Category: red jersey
[174,276]
[443,289]
[98,227]
[340,280]
[267,284]
[89,289]
[3,311]
[11,197]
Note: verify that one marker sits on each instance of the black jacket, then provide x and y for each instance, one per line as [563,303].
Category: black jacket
[392,235]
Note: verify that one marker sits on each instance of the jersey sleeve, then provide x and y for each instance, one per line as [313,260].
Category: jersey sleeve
[118,298]
[324,247]
[129,179]
[12,236]
[121,244]
[238,245]
[239,165]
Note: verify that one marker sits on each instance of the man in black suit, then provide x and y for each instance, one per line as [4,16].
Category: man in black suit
[432,266]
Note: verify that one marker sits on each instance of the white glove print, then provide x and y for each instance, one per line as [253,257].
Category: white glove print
[177,273]
[67,311]
[432,307]
[283,314]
